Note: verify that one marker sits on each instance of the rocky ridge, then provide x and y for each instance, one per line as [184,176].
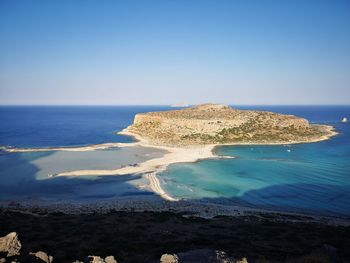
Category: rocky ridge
[221,124]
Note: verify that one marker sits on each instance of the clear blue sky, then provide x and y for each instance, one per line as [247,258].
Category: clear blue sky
[164,52]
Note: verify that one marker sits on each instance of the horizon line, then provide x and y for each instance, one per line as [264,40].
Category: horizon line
[169,105]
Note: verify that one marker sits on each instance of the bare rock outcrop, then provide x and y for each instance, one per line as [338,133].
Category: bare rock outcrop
[41,256]
[205,256]
[94,259]
[97,259]
[110,259]
[169,258]
[221,124]
[10,244]
[201,256]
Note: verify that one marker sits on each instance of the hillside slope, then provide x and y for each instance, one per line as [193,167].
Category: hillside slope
[221,124]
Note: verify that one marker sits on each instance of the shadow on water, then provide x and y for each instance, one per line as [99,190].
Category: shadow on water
[23,184]
[298,197]
[306,198]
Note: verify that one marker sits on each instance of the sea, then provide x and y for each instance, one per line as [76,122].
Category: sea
[310,178]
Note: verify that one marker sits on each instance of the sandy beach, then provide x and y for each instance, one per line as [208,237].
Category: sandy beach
[174,155]
[150,168]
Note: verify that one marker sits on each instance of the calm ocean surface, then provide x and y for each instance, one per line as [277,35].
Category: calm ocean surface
[306,177]
[40,126]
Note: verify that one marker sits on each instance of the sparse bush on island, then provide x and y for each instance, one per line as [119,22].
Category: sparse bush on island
[221,124]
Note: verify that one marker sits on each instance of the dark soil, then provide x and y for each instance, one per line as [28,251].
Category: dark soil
[145,236]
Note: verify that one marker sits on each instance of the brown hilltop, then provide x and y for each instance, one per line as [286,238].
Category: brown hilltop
[222,124]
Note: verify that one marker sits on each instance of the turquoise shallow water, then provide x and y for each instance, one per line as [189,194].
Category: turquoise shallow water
[311,177]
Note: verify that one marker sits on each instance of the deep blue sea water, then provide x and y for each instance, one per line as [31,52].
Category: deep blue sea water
[47,126]
[305,177]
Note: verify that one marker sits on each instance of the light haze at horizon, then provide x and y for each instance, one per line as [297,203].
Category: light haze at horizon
[166,52]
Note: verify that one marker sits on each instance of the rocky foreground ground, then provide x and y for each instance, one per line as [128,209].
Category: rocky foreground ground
[139,237]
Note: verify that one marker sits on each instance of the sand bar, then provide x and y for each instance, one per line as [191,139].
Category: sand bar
[153,166]
[93,147]
[156,187]
[174,155]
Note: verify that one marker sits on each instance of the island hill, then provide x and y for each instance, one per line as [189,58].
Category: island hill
[221,124]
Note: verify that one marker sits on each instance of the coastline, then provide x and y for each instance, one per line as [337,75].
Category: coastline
[150,168]
[147,169]
[140,141]
[328,128]
[157,188]
[186,208]
[92,147]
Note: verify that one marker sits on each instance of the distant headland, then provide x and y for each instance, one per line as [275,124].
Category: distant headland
[221,124]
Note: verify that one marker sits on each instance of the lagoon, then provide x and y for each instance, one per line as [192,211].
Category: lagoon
[311,178]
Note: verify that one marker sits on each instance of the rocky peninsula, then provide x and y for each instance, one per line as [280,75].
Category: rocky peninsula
[190,134]
[220,124]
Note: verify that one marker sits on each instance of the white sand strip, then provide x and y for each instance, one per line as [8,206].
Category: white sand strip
[153,166]
[174,155]
[156,187]
[94,147]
